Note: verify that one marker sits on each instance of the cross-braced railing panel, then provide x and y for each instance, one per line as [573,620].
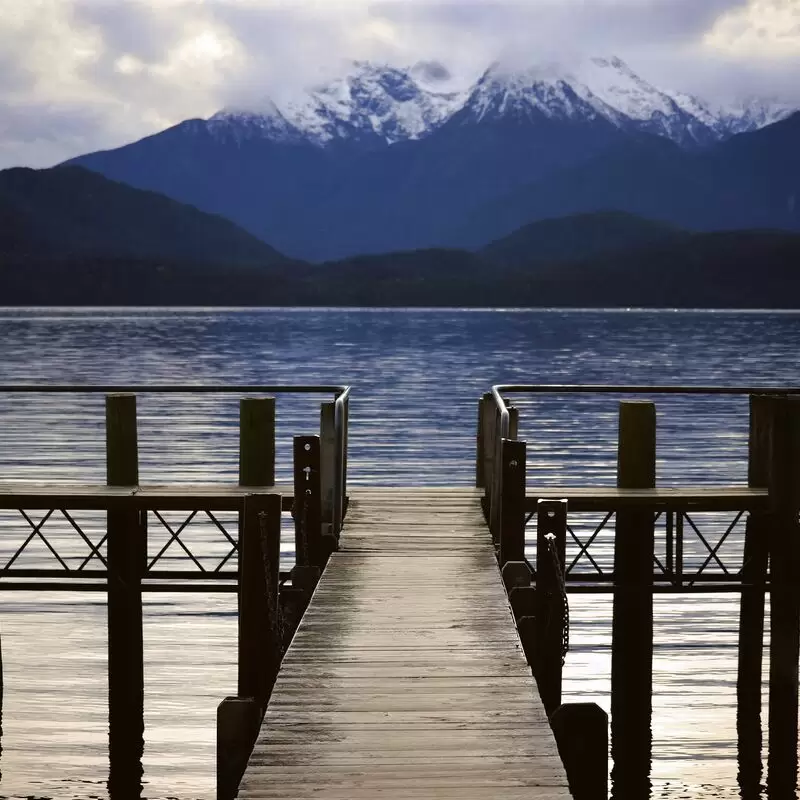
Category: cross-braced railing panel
[196,541]
[690,546]
[185,535]
[52,539]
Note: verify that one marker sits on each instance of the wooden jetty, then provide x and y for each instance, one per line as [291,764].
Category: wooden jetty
[415,648]
[406,678]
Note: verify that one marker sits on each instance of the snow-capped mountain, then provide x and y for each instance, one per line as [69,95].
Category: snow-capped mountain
[372,104]
[380,105]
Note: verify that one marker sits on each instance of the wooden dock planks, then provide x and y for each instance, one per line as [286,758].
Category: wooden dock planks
[406,678]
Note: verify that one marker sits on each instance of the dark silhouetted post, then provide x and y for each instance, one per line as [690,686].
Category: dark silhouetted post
[496,501]
[127,553]
[260,645]
[327,461]
[551,527]
[581,731]
[256,469]
[784,550]
[312,551]
[512,502]
[751,615]
[257,441]
[238,721]
[482,451]
[632,628]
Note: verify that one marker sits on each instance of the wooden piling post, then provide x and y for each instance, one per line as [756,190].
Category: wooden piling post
[345,450]
[632,627]
[751,613]
[260,645]
[126,555]
[482,450]
[784,550]
[311,549]
[257,441]
[512,502]
[327,460]
[581,731]
[551,617]
[495,498]
[238,721]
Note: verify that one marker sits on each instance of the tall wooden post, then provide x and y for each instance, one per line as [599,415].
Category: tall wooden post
[327,462]
[751,614]
[485,416]
[551,542]
[512,502]
[632,627]
[311,549]
[257,441]
[256,469]
[126,554]
[238,721]
[260,645]
[784,549]
[581,731]
[495,500]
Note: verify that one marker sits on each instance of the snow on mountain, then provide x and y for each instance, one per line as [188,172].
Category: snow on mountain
[595,88]
[373,103]
[269,123]
[618,86]
[541,91]
[753,113]
[379,105]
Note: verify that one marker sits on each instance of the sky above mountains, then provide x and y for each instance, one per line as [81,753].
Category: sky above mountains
[81,75]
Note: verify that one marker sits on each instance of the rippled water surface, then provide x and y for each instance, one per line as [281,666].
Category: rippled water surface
[416,377]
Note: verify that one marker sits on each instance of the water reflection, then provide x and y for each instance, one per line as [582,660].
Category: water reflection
[417,375]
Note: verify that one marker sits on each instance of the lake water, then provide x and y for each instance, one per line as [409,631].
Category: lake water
[416,376]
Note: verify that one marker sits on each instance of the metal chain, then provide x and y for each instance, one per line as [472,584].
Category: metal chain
[304,526]
[562,589]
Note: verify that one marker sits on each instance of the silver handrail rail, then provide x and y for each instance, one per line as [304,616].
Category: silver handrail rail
[339,488]
[500,388]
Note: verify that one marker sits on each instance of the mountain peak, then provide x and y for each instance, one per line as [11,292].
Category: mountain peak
[377,104]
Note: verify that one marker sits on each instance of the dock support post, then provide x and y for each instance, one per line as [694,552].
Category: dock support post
[483,450]
[512,502]
[257,441]
[581,731]
[260,646]
[496,495]
[551,616]
[328,466]
[632,627]
[238,721]
[256,469]
[784,549]
[127,554]
[751,609]
[312,549]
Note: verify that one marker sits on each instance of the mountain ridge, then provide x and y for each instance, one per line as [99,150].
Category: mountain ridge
[72,210]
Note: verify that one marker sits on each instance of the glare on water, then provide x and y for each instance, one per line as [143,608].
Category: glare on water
[416,376]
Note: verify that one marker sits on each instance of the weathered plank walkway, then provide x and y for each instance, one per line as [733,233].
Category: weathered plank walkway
[406,678]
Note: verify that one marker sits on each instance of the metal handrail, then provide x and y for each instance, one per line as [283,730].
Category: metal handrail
[339,488]
[500,388]
[341,392]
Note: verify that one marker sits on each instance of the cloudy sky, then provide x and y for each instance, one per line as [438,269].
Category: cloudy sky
[79,75]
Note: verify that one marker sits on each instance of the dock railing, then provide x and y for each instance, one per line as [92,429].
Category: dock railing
[767,507]
[130,551]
